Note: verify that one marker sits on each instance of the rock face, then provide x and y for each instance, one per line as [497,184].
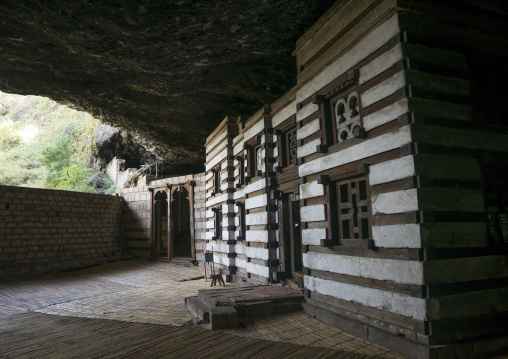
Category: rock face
[111,142]
[167,72]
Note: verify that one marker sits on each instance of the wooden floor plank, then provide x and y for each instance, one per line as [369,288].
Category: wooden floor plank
[47,317]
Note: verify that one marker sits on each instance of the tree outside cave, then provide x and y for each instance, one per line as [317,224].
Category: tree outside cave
[47,145]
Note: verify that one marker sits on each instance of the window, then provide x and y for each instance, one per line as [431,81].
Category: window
[241,220]
[241,170]
[259,161]
[352,209]
[288,147]
[254,161]
[218,223]
[345,116]
[216,180]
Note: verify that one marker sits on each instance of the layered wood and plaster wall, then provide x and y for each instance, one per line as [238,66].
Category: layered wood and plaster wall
[390,146]
[399,155]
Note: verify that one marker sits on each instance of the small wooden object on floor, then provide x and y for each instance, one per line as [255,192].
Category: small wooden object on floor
[215,278]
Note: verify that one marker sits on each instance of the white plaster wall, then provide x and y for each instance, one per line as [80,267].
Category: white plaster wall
[254,130]
[380,64]
[361,50]
[218,138]
[215,160]
[256,218]
[258,269]
[313,236]
[284,114]
[306,111]
[275,151]
[256,202]
[257,236]
[257,252]
[366,149]
[241,263]
[228,235]
[217,199]
[310,128]
[393,170]
[395,202]
[313,213]
[239,193]
[216,151]
[240,248]
[400,271]
[376,298]
[255,186]
[311,189]
[308,148]
[397,236]
[384,89]
[217,248]
[238,148]
[385,115]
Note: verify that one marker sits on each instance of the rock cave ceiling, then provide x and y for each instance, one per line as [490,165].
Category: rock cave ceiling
[168,72]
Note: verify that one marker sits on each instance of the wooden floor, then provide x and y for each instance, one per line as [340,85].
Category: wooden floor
[135,309]
[35,335]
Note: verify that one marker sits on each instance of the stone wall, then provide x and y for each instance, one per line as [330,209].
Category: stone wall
[43,230]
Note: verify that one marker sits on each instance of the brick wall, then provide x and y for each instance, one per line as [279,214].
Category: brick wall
[43,230]
[136,220]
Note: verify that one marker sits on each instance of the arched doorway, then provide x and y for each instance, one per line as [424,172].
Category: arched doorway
[172,224]
[181,240]
[160,225]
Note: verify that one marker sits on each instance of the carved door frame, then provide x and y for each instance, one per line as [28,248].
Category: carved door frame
[169,190]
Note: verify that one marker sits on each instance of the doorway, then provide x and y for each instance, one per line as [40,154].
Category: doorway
[173,224]
[181,223]
[291,240]
[161,237]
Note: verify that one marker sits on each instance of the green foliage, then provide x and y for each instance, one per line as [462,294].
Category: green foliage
[8,134]
[46,145]
[72,178]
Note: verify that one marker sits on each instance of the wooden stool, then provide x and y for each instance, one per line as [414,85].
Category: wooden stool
[216,277]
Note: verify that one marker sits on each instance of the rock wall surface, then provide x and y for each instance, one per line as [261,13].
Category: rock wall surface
[167,72]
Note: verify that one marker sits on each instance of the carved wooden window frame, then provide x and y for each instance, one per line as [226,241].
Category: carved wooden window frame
[216,180]
[285,147]
[241,171]
[218,223]
[353,208]
[357,212]
[252,170]
[342,93]
[282,131]
[242,228]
